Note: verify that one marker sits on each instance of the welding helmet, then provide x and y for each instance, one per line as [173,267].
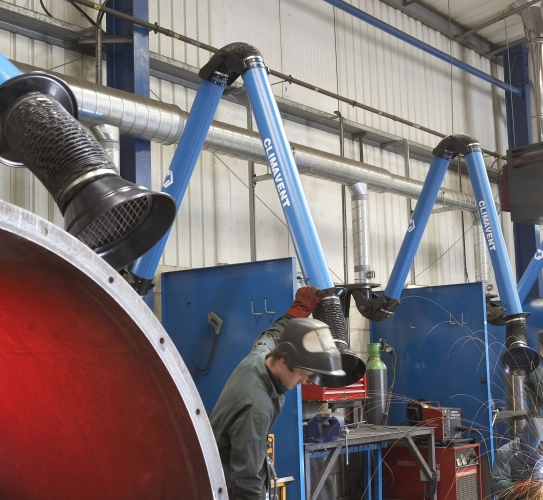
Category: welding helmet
[532,446]
[308,344]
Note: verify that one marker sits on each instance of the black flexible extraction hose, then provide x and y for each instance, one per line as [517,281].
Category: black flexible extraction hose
[117,219]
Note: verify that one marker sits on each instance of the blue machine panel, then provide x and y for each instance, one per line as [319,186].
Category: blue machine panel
[440,337]
[187,298]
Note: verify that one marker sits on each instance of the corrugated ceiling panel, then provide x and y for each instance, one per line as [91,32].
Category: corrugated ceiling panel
[475,13]
[379,70]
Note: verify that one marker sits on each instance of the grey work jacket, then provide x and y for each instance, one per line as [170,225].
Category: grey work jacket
[534,390]
[247,409]
[509,467]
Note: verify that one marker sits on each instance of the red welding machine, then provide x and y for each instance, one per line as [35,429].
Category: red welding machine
[444,420]
[458,473]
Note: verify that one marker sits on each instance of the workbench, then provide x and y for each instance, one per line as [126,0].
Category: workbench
[368,438]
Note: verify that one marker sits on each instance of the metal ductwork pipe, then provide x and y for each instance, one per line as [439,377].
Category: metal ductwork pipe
[516,401]
[108,137]
[360,222]
[96,400]
[117,219]
[532,19]
[155,121]
[330,311]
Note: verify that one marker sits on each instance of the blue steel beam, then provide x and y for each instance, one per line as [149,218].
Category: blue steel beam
[387,28]
[128,69]
[527,238]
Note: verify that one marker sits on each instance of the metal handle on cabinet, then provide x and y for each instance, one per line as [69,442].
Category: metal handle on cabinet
[253,311]
[216,323]
[266,307]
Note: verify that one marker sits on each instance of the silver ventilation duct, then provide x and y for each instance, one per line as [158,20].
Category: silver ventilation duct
[156,121]
[361,247]
[108,137]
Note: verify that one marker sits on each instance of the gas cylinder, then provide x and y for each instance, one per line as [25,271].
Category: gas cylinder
[376,386]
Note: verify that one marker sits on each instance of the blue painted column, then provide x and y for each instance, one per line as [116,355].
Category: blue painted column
[515,69]
[128,69]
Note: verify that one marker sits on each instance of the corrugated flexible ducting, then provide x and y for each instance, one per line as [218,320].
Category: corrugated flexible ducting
[145,118]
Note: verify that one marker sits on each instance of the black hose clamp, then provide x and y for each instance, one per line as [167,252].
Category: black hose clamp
[21,85]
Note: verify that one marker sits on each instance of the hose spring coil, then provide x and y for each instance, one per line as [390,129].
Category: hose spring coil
[329,311]
[51,143]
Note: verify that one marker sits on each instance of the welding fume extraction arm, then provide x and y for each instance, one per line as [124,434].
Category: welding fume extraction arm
[223,68]
[519,359]
[117,219]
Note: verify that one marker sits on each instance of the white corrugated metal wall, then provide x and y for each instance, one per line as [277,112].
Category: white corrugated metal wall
[315,43]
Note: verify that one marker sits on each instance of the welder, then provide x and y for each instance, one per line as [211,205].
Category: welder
[518,465]
[533,384]
[292,350]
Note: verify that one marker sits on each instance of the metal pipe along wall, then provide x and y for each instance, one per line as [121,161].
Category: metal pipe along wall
[155,121]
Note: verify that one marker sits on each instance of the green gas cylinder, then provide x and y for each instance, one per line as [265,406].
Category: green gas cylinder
[376,386]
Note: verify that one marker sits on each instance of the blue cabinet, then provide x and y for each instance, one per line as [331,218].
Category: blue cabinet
[235,293]
[443,353]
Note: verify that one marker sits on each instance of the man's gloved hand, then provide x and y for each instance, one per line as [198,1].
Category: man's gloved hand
[305,302]
[528,489]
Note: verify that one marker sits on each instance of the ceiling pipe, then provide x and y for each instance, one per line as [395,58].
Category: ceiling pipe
[144,118]
[387,28]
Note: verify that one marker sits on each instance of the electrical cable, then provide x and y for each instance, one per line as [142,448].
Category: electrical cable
[433,487]
[46,11]
[393,478]
[466,276]
[155,28]
[90,19]
[273,478]
[390,389]
[101,14]
[463,428]
[416,422]
[262,201]
[442,255]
